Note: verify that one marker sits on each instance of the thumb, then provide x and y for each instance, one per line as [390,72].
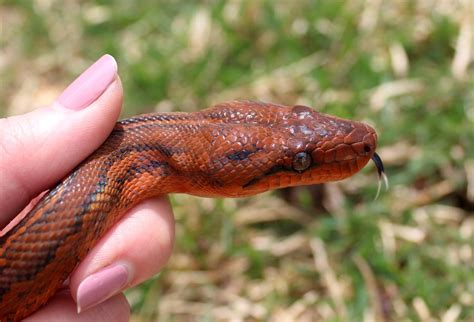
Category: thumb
[39,148]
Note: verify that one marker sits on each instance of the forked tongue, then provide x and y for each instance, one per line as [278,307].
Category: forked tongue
[381,172]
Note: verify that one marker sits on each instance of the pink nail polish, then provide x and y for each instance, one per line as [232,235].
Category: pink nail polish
[100,286]
[86,88]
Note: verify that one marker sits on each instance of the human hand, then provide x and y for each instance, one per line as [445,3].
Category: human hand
[37,150]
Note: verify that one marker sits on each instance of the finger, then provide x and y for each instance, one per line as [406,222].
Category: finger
[39,148]
[63,308]
[133,251]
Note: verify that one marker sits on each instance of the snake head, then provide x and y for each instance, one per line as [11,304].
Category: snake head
[331,148]
[316,148]
[282,146]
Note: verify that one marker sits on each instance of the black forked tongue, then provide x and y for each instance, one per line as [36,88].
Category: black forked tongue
[381,172]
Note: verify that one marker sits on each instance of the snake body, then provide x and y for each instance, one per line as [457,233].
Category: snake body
[233,149]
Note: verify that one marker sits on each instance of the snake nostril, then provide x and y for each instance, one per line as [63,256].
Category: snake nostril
[367,148]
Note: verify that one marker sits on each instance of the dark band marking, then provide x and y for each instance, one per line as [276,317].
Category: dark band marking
[157,117]
[273,170]
[242,154]
[167,150]
[134,170]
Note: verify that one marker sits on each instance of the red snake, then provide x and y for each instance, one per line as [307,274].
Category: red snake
[233,149]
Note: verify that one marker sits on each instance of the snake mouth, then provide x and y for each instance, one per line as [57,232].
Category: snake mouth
[381,173]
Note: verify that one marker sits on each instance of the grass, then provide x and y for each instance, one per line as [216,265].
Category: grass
[327,253]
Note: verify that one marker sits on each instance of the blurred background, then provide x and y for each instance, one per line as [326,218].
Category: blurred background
[328,252]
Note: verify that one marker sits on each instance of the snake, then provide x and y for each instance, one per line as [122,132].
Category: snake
[232,149]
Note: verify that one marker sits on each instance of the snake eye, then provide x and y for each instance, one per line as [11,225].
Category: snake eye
[301,161]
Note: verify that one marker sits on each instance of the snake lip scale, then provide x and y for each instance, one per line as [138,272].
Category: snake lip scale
[232,149]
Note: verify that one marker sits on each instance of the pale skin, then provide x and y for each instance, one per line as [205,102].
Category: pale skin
[38,149]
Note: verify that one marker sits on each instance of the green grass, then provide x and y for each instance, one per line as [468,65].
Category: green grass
[328,253]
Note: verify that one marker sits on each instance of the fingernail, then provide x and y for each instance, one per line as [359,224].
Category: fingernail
[100,286]
[86,88]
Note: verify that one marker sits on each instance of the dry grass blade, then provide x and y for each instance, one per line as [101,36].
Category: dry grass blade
[329,278]
[371,287]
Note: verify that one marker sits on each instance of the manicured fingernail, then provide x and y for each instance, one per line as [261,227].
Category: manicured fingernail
[90,84]
[100,286]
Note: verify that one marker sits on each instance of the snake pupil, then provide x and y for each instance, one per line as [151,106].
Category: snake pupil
[301,161]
